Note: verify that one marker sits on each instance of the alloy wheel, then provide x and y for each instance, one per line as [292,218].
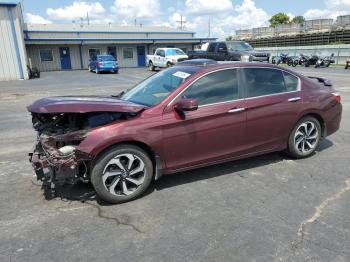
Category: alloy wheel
[306,137]
[124,174]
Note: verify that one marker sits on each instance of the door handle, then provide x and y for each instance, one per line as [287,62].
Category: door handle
[236,110]
[294,99]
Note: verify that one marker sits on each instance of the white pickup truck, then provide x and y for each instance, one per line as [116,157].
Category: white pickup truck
[165,57]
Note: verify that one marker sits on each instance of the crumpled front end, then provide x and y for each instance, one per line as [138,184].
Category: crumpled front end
[56,157]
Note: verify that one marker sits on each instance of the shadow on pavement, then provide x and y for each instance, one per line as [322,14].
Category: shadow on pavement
[85,192]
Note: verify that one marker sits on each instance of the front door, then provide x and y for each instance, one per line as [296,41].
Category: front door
[111,50]
[274,102]
[215,131]
[65,58]
[141,57]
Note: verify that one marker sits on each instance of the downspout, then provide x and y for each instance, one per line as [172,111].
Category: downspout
[81,55]
[14,35]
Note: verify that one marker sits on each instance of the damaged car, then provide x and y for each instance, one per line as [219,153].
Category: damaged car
[184,117]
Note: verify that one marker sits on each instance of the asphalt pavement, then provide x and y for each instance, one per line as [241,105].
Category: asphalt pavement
[266,208]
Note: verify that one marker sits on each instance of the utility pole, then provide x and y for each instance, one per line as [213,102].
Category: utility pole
[181,23]
[87,18]
[209,27]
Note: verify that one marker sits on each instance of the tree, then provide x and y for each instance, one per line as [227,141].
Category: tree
[279,19]
[298,19]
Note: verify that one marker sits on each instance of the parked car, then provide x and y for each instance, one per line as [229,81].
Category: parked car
[229,51]
[347,64]
[165,57]
[104,63]
[181,118]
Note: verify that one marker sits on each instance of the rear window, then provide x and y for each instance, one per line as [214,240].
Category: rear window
[291,82]
[106,58]
[264,81]
[174,52]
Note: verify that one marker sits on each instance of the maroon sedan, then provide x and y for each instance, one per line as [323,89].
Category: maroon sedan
[178,119]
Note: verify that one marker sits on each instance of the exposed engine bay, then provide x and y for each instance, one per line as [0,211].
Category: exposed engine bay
[56,157]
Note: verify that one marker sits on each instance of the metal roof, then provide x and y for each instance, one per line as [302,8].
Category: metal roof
[8,4]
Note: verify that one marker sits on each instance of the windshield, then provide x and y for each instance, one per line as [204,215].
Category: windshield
[239,46]
[156,88]
[174,52]
[106,58]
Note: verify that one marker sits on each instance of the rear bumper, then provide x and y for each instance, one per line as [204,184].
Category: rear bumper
[333,123]
[261,59]
[108,68]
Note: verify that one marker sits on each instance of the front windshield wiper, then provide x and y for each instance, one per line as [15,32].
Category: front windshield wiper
[119,95]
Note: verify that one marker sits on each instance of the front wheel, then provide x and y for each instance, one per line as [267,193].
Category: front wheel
[295,63]
[304,138]
[122,173]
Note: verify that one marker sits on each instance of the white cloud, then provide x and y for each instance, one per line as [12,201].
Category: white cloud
[133,9]
[333,9]
[77,10]
[36,19]
[224,23]
[206,7]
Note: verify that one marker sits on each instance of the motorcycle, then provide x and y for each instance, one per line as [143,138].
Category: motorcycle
[280,59]
[347,64]
[310,60]
[325,61]
[293,61]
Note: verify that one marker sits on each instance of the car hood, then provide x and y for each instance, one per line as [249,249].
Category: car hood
[83,104]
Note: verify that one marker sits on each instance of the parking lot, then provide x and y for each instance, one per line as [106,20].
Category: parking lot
[266,208]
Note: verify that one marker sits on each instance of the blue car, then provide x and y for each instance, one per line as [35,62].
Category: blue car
[104,63]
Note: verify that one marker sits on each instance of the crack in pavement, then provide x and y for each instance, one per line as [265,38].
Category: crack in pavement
[321,207]
[115,219]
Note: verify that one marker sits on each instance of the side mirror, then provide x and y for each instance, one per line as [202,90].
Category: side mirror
[186,104]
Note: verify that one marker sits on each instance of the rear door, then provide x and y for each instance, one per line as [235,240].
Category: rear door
[215,131]
[274,100]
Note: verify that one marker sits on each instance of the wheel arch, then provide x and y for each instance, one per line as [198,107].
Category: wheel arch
[319,119]
[155,158]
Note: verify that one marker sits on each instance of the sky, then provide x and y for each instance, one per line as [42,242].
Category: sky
[225,16]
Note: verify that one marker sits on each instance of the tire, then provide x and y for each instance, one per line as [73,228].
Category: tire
[346,66]
[307,64]
[168,64]
[150,66]
[301,143]
[327,64]
[295,63]
[111,188]
[289,63]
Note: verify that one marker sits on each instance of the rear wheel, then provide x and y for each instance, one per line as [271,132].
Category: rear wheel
[304,138]
[295,63]
[122,173]
[150,66]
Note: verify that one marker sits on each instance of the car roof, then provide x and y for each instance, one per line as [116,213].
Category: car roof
[198,62]
[237,64]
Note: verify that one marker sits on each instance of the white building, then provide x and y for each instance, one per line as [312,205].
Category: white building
[51,47]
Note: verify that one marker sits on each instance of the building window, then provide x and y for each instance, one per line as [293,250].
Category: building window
[46,55]
[93,52]
[128,53]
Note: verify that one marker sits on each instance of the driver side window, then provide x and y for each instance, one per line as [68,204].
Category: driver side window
[220,86]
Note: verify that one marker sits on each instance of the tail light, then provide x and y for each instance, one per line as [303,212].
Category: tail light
[337,97]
